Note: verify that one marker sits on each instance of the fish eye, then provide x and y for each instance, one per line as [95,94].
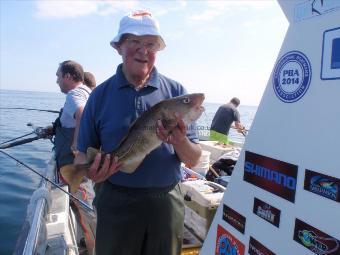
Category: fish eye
[186,100]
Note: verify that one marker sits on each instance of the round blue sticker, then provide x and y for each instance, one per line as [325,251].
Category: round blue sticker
[292,76]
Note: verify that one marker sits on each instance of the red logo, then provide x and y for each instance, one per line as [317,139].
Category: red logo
[227,244]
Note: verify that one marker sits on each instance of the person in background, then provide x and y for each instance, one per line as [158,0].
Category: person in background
[70,77]
[223,120]
[142,212]
[89,80]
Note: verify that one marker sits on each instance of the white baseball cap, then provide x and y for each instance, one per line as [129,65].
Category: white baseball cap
[138,23]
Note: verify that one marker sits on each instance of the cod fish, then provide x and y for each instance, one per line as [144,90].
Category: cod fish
[141,138]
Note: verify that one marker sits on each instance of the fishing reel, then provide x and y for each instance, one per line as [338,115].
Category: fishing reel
[42,132]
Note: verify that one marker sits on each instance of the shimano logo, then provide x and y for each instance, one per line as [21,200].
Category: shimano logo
[270,175]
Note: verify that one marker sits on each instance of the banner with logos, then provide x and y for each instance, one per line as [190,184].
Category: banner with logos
[284,194]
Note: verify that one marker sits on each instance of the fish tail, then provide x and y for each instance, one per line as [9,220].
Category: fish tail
[73,175]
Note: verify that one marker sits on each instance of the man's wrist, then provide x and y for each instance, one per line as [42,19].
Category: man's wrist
[182,142]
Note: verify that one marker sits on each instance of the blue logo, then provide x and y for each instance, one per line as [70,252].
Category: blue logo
[324,187]
[292,76]
[308,238]
[271,175]
[226,247]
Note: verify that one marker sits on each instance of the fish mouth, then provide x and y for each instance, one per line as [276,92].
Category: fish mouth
[200,98]
[200,109]
[197,100]
[198,112]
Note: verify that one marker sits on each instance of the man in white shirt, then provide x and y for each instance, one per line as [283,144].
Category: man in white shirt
[70,76]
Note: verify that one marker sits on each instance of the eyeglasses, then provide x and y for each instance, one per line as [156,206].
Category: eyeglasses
[135,43]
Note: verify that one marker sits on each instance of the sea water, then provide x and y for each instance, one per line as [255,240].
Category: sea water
[18,183]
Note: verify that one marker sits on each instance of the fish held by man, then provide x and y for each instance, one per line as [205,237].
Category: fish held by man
[141,138]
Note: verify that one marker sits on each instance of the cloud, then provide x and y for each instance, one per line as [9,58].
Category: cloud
[205,15]
[77,8]
[112,7]
[256,4]
[65,9]
[214,9]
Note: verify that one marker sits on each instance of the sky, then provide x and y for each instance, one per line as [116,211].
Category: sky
[221,48]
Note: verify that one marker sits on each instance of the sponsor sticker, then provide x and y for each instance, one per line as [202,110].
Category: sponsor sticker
[315,8]
[330,61]
[227,244]
[235,219]
[292,76]
[257,248]
[322,185]
[315,240]
[267,212]
[275,176]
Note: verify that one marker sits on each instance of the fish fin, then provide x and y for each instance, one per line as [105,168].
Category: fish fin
[73,175]
[128,149]
[91,154]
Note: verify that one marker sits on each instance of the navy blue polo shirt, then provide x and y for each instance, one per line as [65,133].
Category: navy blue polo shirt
[111,109]
[224,118]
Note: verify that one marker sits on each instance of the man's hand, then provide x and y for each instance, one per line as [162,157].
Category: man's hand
[187,151]
[240,130]
[176,135]
[98,172]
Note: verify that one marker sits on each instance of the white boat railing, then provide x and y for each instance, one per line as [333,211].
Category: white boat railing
[33,236]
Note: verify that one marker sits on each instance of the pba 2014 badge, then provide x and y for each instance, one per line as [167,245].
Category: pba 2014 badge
[292,76]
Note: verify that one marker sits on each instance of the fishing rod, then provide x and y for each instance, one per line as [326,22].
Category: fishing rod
[17,138]
[48,180]
[243,129]
[29,109]
[243,132]
[23,141]
[41,133]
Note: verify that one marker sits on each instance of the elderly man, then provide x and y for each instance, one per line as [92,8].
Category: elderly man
[142,212]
